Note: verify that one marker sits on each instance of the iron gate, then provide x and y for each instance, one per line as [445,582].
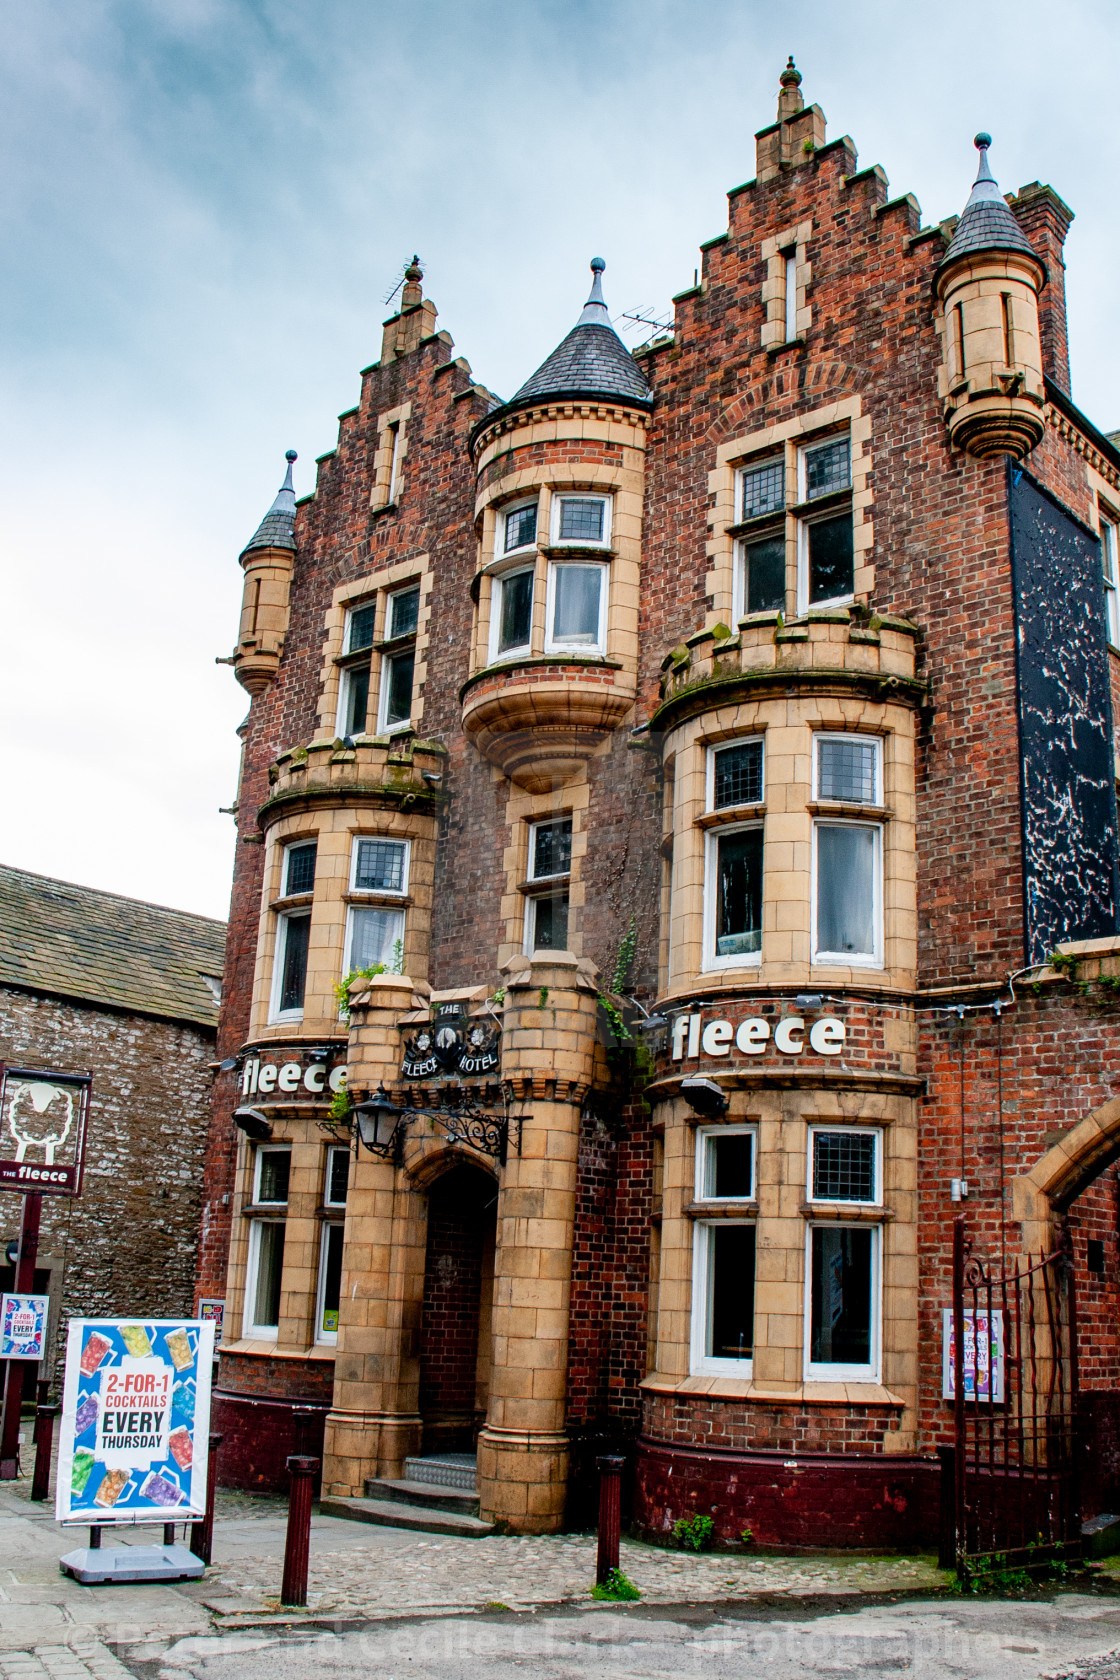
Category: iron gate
[1014,1385]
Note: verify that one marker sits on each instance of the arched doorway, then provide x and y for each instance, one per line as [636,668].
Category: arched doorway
[455,1336]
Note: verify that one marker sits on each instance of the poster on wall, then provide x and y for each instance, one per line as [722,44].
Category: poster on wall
[23,1326]
[213,1311]
[135,1420]
[983,1355]
[42,1130]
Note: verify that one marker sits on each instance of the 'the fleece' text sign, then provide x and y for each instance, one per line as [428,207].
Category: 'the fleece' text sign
[693,1037]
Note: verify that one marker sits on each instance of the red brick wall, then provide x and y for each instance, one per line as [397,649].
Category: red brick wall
[462,1207]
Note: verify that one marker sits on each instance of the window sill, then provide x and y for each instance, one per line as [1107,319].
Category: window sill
[264,1347]
[276,1211]
[355,659]
[292,901]
[723,965]
[834,502]
[848,1213]
[786,344]
[761,525]
[837,1391]
[398,644]
[560,651]
[847,959]
[570,551]
[746,1209]
[848,808]
[730,814]
[374,900]
[544,885]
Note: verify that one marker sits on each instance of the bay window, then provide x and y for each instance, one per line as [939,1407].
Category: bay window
[843,1310]
[581,521]
[511,614]
[271,1173]
[375,930]
[723,1275]
[847,855]
[725,1164]
[517,527]
[329,1290]
[576,607]
[845,1165]
[289,983]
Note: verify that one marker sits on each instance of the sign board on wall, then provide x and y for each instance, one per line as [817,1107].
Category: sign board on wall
[983,1355]
[694,1035]
[23,1326]
[213,1311]
[42,1130]
[455,1043]
[291,1074]
[135,1420]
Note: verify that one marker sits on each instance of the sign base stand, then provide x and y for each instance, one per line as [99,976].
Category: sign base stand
[109,1565]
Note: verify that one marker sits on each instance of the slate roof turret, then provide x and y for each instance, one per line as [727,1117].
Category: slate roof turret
[278,527]
[988,223]
[591,362]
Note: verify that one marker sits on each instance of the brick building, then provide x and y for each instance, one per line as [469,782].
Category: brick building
[760,682]
[91,982]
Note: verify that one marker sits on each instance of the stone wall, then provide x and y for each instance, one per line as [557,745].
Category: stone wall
[129,1244]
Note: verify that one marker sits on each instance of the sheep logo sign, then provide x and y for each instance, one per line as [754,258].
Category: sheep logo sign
[42,1130]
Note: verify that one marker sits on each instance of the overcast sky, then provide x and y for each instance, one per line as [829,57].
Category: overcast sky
[205,203]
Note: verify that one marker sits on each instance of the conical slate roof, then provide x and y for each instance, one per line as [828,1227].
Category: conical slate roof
[591,362]
[278,527]
[987,223]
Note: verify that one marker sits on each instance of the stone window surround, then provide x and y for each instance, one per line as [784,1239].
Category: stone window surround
[688,785]
[377,585]
[1106,506]
[621,554]
[700,1362]
[392,428]
[295,1335]
[789,436]
[336,829]
[249,1330]
[769,1220]
[523,809]
[774,251]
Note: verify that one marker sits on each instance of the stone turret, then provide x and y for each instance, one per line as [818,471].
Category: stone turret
[267,562]
[987,288]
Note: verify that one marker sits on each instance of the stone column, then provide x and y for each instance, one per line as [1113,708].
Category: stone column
[374,1423]
[548,1046]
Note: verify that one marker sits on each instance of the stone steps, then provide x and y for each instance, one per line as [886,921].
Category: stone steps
[435,1496]
[393,1513]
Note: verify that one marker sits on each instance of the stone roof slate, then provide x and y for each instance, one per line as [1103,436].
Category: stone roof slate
[591,362]
[278,527]
[988,223]
[76,942]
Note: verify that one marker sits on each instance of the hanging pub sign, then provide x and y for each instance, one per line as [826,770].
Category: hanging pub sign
[135,1420]
[42,1130]
[452,1043]
[23,1326]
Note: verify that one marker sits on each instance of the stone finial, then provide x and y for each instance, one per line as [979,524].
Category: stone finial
[413,291]
[790,100]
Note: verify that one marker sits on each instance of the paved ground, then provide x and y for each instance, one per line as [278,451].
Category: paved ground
[388,1603]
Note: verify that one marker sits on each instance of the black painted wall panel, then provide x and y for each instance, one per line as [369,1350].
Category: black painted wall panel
[1065,724]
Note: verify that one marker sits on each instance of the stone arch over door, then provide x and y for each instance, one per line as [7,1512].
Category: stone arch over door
[1057,1178]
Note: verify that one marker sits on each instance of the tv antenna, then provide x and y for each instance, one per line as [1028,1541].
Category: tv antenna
[402,276]
[644,317]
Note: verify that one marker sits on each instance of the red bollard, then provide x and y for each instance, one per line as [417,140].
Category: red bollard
[610,1516]
[297,1545]
[44,1441]
[202,1533]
